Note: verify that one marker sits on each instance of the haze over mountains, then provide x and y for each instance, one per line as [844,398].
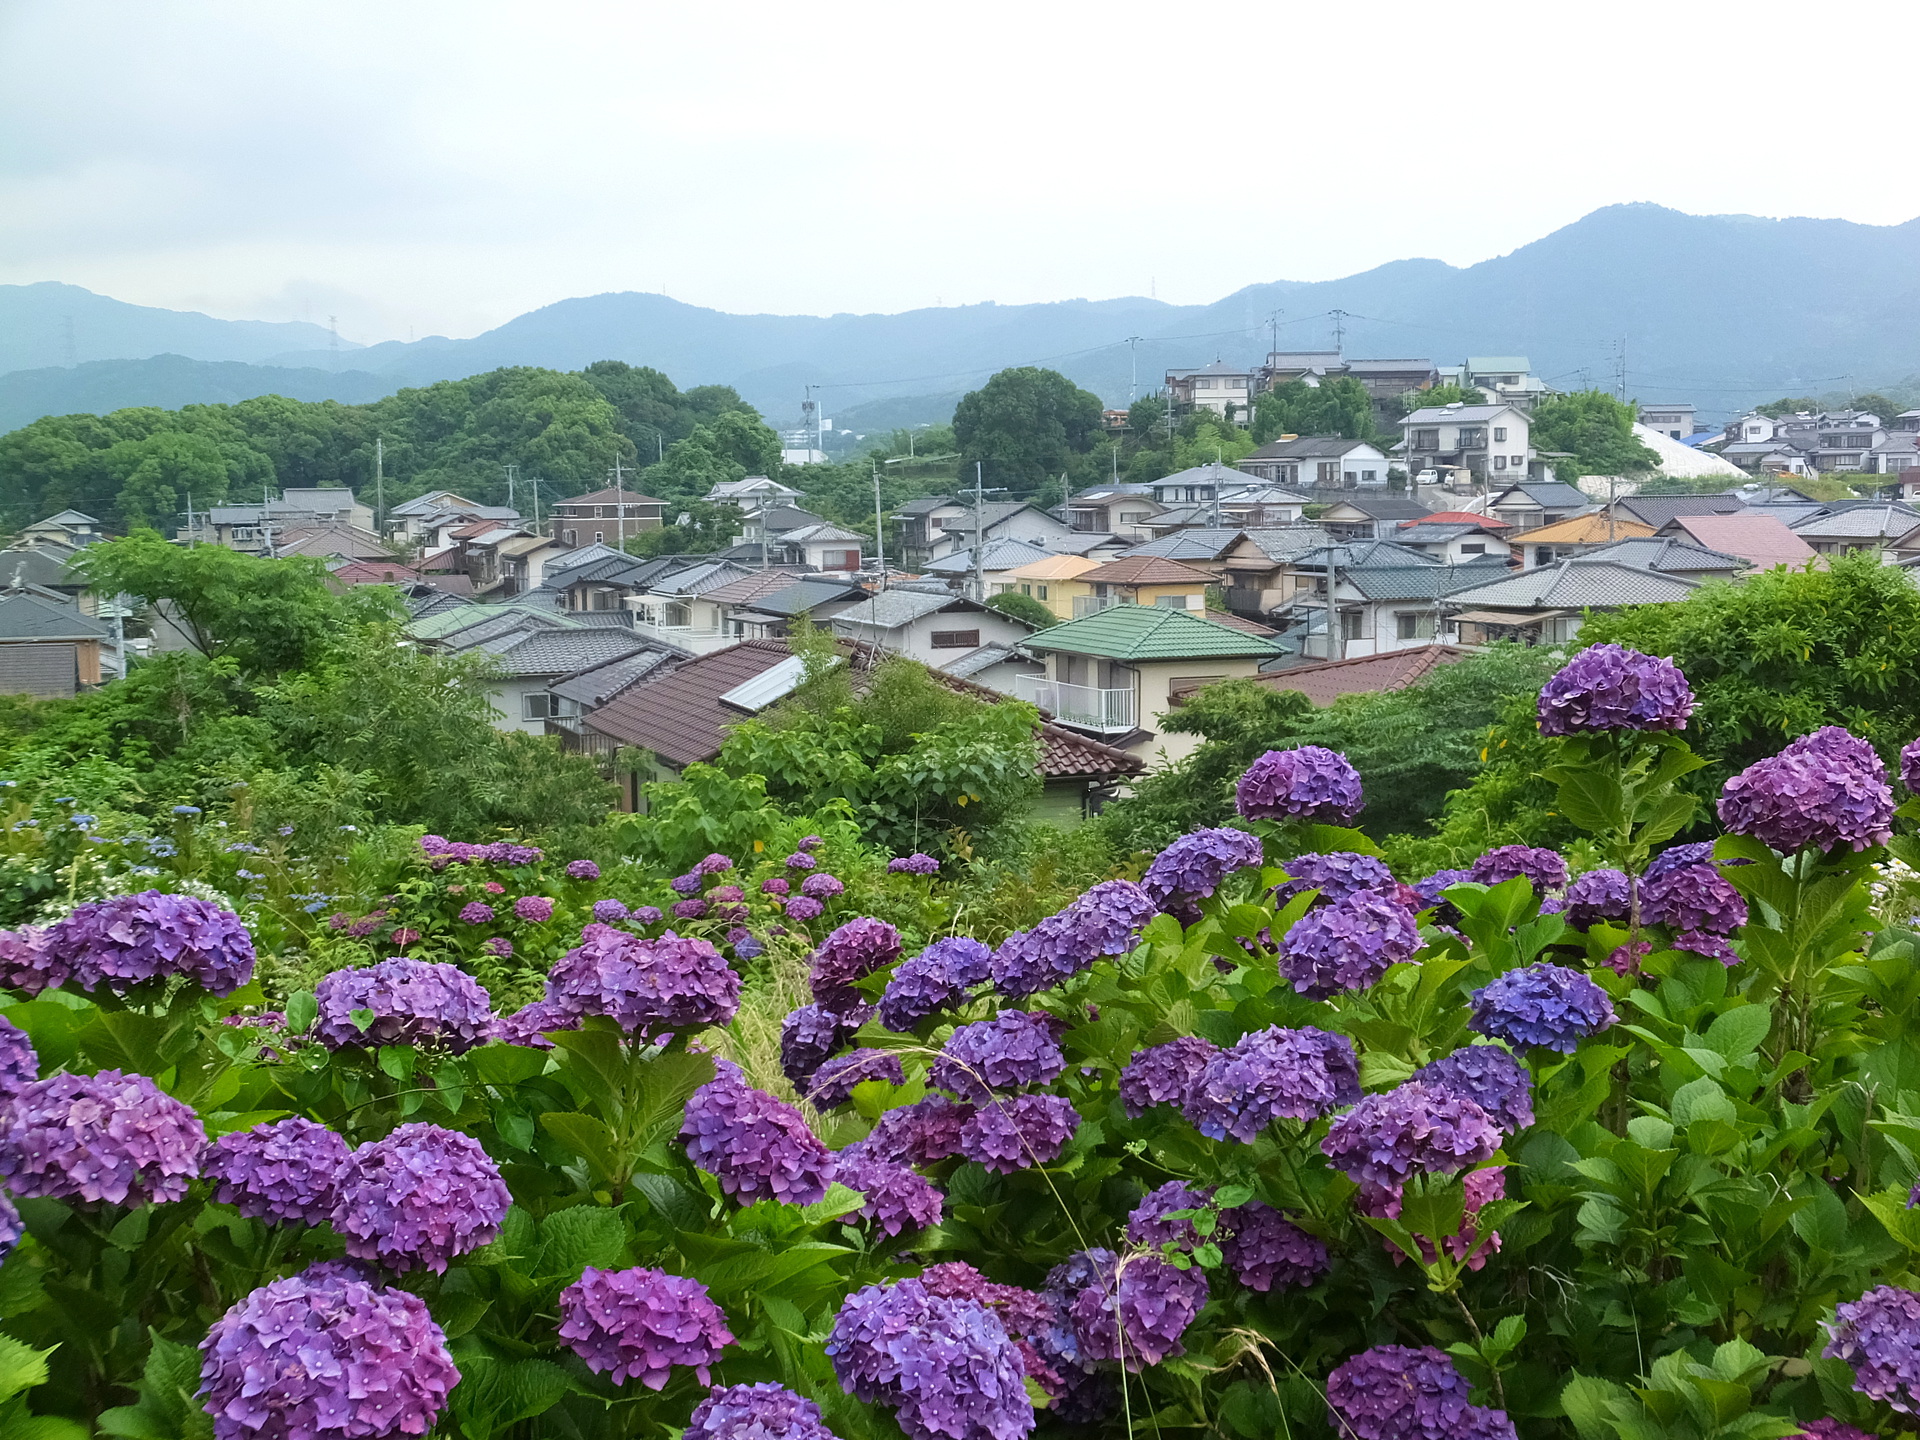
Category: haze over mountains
[1720,310]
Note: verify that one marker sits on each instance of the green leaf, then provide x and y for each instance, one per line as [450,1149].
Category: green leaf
[302,1011]
[168,1408]
[586,1137]
[494,1394]
[1737,1033]
[21,1367]
[1592,1404]
[579,1236]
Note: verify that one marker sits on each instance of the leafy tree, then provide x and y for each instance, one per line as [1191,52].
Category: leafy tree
[1789,405]
[1438,395]
[1339,406]
[693,527]
[156,475]
[1595,431]
[1024,608]
[1024,426]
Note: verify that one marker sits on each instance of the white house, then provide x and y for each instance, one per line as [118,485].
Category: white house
[933,629]
[1227,390]
[1327,462]
[951,526]
[1491,441]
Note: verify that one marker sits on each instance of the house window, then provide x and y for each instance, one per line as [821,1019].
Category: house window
[1351,479]
[1426,439]
[1473,549]
[1500,434]
[1026,589]
[1172,602]
[1411,625]
[567,535]
[540,705]
[1350,625]
[1499,462]
[956,640]
[1543,555]
[599,537]
[1369,477]
[1041,592]
[1327,472]
[840,560]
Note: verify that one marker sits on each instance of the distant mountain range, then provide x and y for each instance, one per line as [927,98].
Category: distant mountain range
[1721,310]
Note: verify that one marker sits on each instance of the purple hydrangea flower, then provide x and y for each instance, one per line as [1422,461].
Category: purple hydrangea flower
[1834,1430]
[1148,1223]
[1162,1074]
[852,952]
[121,942]
[923,1133]
[28,961]
[813,1034]
[914,864]
[1910,767]
[757,1147]
[418,1198]
[534,909]
[948,1367]
[1824,790]
[1103,921]
[1541,1004]
[1012,1134]
[832,1084]
[1013,1049]
[800,860]
[1307,783]
[1398,1392]
[688,884]
[1545,870]
[775,885]
[1490,1077]
[1134,1310]
[715,864]
[1697,902]
[414,1002]
[646,915]
[638,1324]
[498,946]
[929,982]
[1347,945]
[1877,1336]
[1194,866]
[804,908]
[756,1412]
[325,1353]
[810,842]
[822,886]
[475,912]
[582,870]
[283,1172]
[1597,895]
[1609,687]
[689,909]
[645,986]
[109,1137]
[531,1024]
[1699,852]
[19,1065]
[1335,875]
[1269,1075]
[897,1198]
[1430,888]
[1413,1129]
[10,1227]
[1266,1251]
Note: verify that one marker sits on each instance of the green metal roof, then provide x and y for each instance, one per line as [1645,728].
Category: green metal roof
[1149,632]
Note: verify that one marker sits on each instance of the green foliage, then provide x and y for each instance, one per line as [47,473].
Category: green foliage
[1024,608]
[1595,430]
[1439,395]
[1336,407]
[1025,426]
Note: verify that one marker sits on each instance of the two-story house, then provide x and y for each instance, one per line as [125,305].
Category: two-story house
[1327,462]
[933,629]
[1489,441]
[1674,419]
[608,517]
[1533,503]
[953,525]
[1134,580]
[1227,390]
[1122,510]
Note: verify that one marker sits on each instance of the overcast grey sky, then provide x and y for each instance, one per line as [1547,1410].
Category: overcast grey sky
[416,166]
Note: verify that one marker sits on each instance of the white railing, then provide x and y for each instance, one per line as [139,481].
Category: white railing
[1082,705]
[1085,605]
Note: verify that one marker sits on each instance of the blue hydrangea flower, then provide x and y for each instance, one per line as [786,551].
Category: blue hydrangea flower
[1269,1075]
[1541,1004]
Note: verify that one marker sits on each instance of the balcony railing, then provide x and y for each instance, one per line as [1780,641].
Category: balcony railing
[1085,605]
[1081,705]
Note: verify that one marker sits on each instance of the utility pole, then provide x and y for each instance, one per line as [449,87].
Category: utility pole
[1273,334]
[1339,332]
[1620,370]
[191,534]
[1133,385]
[1336,633]
[979,572]
[513,474]
[879,527]
[380,484]
[619,503]
[534,480]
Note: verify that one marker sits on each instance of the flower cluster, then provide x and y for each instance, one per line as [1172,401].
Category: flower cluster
[849,954]
[929,982]
[1545,870]
[19,1065]
[1491,1078]
[1541,1004]
[914,864]
[896,1197]
[1598,895]
[418,1197]
[756,1412]
[923,1133]
[1133,1310]
[1270,1075]
[1195,865]
[117,943]
[1910,767]
[638,1324]
[532,1023]
[1012,1050]
[832,1084]
[1006,1135]
[1336,875]
[1698,904]
[645,986]
[757,1147]
[1162,1074]
[1149,1223]
[1266,1251]
[475,912]
[534,909]
[1400,1392]
[1824,790]
[284,1172]
[28,961]
[811,1035]
[1104,921]
[947,1366]
[1349,944]
[501,852]
[109,1137]
[1413,1129]
[1307,783]
[1609,687]
[1878,1336]
[325,1353]
[414,1002]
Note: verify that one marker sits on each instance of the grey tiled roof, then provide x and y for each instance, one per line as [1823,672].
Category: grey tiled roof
[893,608]
[804,595]
[28,617]
[1004,553]
[595,686]
[1418,582]
[1884,522]
[1198,543]
[560,652]
[974,661]
[1664,552]
[1573,584]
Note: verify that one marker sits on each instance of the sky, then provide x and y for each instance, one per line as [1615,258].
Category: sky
[423,167]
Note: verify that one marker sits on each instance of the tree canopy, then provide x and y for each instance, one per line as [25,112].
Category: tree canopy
[1595,431]
[1024,427]
[1340,406]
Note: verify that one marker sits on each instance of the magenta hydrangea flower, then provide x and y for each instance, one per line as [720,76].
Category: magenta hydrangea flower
[498,946]
[1698,903]
[117,943]
[500,852]
[1597,895]
[1412,1129]
[775,885]
[531,1024]
[1306,783]
[608,912]
[939,976]
[1910,770]
[1012,1050]
[1162,1074]
[283,1172]
[914,864]
[325,1353]
[19,1065]
[1132,1310]
[923,1133]
[813,1034]
[1148,1223]
[1347,945]
[801,860]
[689,910]
[851,953]
[1824,790]
[646,986]
[1015,1133]
[475,912]
[948,1367]
[582,870]
[715,864]
[1609,687]
[638,1324]
[896,1198]
[1545,870]
[822,886]
[1541,1004]
[1490,1077]
[414,1002]
[833,1083]
[803,908]
[28,961]
[534,909]
[1195,866]
[1270,1075]
[1266,1251]
[1878,1336]
[1399,1392]
[757,1147]
[418,1198]
[765,1411]
[1833,1430]
[727,893]
[111,1137]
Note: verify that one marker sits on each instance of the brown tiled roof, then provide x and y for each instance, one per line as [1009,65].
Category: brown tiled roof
[1364,675]
[1460,517]
[1593,528]
[1240,622]
[1761,539]
[679,715]
[749,588]
[608,497]
[1145,570]
[376,572]
[1065,755]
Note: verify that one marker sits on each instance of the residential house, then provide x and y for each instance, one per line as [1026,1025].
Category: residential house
[1763,541]
[952,526]
[1503,379]
[1535,503]
[47,566]
[330,542]
[347,573]
[1120,510]
[1660,510]
[933,629]
[1092,545]
[996,666]
[503,563]
[1671,555]
[1546,544]
[602,582]
[753,492]
[48,648]
[673,606]
[1547,606]
[424,520]
[734,597]
[1225,389]
[1327,462]
[1112,673]
[1253,569]
[606,517]
[1140,580]
[1049,581]
[70,527]
[527,661]
[775,613]
[1362,516]
[1371,597]
[1328,680]
[1858,529]
[1386,381]
[1674,419]
[1455,537]
[1202,484]
[997,559]
[1490,442]
[587,689]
